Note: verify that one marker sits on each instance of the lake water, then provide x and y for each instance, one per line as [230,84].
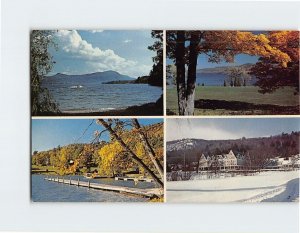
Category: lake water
[218,79]
[90,95]
[48,191]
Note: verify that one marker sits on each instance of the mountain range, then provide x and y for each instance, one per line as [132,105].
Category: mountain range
[105,76]
[224,69]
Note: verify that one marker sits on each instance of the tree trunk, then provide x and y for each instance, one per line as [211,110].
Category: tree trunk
[191,80]
[198,164]
[180,72]
[130,152]
[149,149]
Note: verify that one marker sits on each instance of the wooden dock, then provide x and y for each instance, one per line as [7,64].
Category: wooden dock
[134,179]
[149,193]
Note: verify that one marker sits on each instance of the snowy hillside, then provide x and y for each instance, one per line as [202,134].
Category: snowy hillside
[272,186]
[183,144]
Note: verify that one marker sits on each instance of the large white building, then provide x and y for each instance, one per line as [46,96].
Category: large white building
[225,161]
[287,162]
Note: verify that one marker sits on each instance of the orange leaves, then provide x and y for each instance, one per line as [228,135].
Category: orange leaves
[286,41]
[226,44]
[281,67]
[259,45]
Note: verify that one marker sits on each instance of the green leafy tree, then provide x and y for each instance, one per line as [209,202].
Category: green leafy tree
[41,63]
[156,74]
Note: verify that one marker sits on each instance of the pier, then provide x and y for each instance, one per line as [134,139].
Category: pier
[148,193]
[135,179]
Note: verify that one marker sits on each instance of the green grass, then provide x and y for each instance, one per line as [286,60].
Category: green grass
[212,100]
[47,170]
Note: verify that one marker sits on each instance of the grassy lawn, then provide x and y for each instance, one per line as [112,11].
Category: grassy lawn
[211,100]
[50,170]
[47,170]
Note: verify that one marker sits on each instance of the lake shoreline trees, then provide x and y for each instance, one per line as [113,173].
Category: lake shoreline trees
[136,151]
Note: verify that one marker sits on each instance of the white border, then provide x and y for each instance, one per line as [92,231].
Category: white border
[17,213]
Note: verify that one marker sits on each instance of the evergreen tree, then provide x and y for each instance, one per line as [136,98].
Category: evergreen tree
[156,74]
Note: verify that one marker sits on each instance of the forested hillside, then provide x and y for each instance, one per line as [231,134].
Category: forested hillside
[108,158]
[282,145]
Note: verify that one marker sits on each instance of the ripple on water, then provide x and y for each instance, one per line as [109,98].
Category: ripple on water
[45,191]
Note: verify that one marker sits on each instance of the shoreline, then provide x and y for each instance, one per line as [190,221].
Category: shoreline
[148,109]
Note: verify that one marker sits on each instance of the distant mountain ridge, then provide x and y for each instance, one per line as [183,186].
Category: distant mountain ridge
[105,76]
[224,69]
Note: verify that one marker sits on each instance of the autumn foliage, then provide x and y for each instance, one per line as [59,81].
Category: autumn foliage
[278,50]
[108,158]
[115,160]
[271,75]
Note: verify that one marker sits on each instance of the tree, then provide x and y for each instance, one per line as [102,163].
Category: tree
[185,46]
[180,72]
[156,74]
[41,63]
[238,76]
[86,156]
[116,136]
[148,148]
[270,74]
[215,163]
[109,154]
[171,74]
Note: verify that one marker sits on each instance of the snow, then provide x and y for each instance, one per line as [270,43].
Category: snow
[272,186]
[183,144]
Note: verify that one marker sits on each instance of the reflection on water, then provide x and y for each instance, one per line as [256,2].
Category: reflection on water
[46,191]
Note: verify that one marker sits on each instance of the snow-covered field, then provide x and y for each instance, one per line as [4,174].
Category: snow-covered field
[274,186]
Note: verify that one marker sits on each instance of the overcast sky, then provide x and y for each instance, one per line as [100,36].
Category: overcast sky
[230,128]
[88,51]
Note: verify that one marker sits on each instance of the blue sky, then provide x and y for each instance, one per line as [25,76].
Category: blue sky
[230,128]
[88,51]
[239,59]
[49,133]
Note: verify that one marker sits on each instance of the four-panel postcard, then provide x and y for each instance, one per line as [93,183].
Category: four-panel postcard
[168,116]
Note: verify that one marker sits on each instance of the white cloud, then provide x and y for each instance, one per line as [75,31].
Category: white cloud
[95,31]
[127,41]
[184,128]
[95,58]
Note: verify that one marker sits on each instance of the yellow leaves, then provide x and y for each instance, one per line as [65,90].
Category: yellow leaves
[226,44]
[139,149]
[63,158]
[287,42]
[259,45]
[113,158]
[72,169]
[107,155]
[262,38]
